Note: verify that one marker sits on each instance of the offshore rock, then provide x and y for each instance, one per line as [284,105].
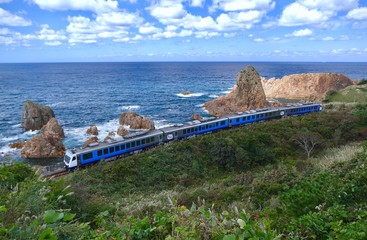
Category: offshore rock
[92,130]
[90,140]
[196,116]
[247,94]
[122,131]
[53,128]
[135,121]
[17,145]
[47,144]
[310,86]
[44,146]
[35,116]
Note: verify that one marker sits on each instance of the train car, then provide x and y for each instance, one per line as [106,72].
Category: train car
[194,128]
[300,109]
[100,151]
[247,117]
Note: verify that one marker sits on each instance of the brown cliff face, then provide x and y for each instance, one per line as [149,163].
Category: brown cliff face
[247,94]
[92,130]
[35,116]
[311,86]
[135,121]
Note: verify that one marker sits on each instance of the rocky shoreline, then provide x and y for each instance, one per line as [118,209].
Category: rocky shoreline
[250,91]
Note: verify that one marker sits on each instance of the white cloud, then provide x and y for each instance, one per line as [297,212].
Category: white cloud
[6,40]
[259,40]
[119,19]
[241,20]
[301,33]
[296,14]
[328,38]
[5,1]
[167,11]
[230,35]
[149,29]
[5,31]
[206,34]
[54,43]
[344,38]
[329,5]
[9,19]
[358,14]
[84,5]
[197,3]
[240,5]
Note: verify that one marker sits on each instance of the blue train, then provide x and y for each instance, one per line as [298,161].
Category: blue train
[139,141]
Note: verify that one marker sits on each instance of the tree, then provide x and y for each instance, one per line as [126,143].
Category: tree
[307,142]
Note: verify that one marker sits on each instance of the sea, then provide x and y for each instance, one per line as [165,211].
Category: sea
[82,94]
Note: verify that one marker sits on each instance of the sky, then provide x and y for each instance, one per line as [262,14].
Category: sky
[183,30]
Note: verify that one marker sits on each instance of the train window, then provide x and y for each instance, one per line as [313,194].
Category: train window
[78,157]
[238,120]
[230,121]
[196,129]
[175,133]
[160,136]
[138,143]
[148,140]
[184,131]
[152,139]
[222,123]
[143,141]
[217,124]
[133,144]
[87,156]
[122,146]
[112,149]
[99,153]
[105,151]
[127,145]
[117,148]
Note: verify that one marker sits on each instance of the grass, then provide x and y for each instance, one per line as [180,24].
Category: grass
[351,94]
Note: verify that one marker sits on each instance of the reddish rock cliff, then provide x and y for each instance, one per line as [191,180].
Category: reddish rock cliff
[247,94]
[311,86]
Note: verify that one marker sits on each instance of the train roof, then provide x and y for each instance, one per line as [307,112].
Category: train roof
[193,123]
[133,136]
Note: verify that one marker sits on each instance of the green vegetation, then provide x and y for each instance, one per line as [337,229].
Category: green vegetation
[363,81]
[251,182]
[351,94]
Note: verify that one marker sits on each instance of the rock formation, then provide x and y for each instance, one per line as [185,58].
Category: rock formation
[53,128]
[247,94]
[196,116]
[310,86]
[90,140]
[92,130]
[135,121]
[35,116]
[122,131]
[17,145]
[47,144]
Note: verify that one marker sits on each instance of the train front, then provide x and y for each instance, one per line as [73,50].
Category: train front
[70,160]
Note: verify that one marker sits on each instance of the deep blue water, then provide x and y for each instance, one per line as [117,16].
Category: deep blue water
[96,93]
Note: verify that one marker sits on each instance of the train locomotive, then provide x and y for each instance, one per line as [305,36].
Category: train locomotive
[139,141]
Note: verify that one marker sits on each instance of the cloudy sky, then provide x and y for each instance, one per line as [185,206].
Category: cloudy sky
[183,30]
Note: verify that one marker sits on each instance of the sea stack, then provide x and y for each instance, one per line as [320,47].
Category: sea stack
[135,121]
[35,116]
[247,94]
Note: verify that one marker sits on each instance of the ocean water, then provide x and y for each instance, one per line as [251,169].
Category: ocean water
[82,94]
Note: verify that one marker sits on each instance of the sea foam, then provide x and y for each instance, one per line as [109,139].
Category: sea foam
[189,95]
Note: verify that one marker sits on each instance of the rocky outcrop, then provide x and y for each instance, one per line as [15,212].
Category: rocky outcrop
[135,121]
[310,86]
[17,145]
[35,116]
[122,131]
[247,94]
[186,93]
[92,130]
[90,140]
[196,116]
[53,128]
[47,144]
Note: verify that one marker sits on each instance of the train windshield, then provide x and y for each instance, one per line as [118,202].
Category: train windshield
[67,159]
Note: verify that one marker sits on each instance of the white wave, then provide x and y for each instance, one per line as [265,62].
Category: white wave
[200,105]
[162,124]
[213,96]
[16,126]
[226,92]
[129,108]
[55,104]
[8,151]
[189,95]
[204,109]
[19,137]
